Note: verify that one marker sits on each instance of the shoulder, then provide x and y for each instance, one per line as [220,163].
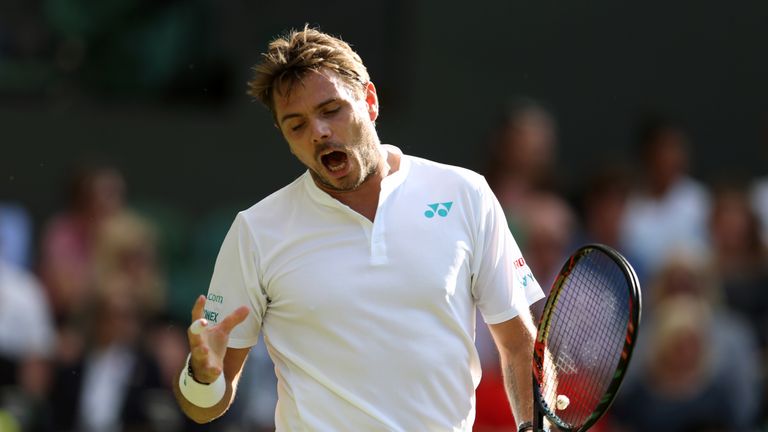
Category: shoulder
[273,206]
[435,172]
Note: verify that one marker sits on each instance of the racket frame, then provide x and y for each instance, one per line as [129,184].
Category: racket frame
[540,406]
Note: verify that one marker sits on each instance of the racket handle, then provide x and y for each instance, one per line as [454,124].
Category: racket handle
[538,420]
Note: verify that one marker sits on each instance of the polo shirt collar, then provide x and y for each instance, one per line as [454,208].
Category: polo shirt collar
[389,184]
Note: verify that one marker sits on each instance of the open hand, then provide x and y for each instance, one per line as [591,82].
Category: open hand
[208,342]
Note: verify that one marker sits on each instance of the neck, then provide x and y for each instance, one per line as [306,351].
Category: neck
[365,198]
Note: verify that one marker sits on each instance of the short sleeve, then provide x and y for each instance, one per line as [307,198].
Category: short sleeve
[503,284]
[235,282]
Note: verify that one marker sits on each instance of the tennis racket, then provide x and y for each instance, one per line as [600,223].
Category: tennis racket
[585,338]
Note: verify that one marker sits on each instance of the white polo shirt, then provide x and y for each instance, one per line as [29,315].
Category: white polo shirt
[371,325]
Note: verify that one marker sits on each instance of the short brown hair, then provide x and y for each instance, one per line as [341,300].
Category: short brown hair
[291,56]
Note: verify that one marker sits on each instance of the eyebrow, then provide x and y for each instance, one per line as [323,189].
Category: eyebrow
[317,107]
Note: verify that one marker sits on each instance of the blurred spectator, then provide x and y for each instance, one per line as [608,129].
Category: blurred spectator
[549,227]
[697,363]
[100,244]
[667,212]
[740,257]
[680,386]
[26,346]
[66,266]
[111,384]
[125,262]
[759,190]
[15,234]
[522,157]
[760,204]
[740,261]
[603,206]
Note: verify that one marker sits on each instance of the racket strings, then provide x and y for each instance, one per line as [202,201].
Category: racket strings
[586,338]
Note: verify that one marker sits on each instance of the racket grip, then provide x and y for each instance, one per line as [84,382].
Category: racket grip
[538,421]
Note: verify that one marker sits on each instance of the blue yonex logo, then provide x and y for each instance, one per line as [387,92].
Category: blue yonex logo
[441,209]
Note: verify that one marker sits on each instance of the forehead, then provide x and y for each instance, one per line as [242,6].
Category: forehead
[312,88]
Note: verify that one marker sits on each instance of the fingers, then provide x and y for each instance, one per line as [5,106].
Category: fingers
[198,308]
[233,319]
[200,324]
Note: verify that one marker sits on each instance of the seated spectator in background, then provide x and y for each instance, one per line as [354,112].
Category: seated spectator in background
[125,262]
[760,204]
[97,241]
[740,262]
[759,189]
[549,227]
[740,256]
[522,156]
[66,265]
[26,345]
[111,384]
[681,385]
[685,371]
[603,206]
[15,234]
[668,209]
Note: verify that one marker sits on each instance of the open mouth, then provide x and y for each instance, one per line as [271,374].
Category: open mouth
[335,161]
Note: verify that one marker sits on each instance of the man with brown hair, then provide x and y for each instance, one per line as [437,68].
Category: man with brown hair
[363,274]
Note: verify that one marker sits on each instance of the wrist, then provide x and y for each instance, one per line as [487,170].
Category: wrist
[525,426]
[190,372]
[198,393]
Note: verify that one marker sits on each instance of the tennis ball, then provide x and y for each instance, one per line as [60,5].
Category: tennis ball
[562,402]
[198,326]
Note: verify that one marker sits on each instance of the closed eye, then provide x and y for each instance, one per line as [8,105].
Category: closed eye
[295,128]
[331,111]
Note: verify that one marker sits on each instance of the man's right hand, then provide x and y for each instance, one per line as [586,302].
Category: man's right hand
[209,345]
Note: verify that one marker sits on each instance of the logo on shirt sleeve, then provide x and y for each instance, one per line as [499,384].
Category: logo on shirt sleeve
[215,298]
[524,274]
[211,316]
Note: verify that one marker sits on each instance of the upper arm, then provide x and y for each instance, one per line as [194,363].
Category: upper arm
[236,282]
[504,285]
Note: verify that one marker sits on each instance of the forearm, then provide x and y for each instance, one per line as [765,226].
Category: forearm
[514,340]
[516,369]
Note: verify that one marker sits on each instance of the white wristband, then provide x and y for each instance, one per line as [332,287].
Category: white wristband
[202,395]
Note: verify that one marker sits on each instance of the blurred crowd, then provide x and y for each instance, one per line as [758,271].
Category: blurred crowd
[699,249]
[91,336]
[88,338]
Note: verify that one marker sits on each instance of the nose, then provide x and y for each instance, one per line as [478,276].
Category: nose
[321,131]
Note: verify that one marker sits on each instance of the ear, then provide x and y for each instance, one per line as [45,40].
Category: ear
[372,101]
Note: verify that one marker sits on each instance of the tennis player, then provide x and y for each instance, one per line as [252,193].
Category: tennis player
[363,274]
